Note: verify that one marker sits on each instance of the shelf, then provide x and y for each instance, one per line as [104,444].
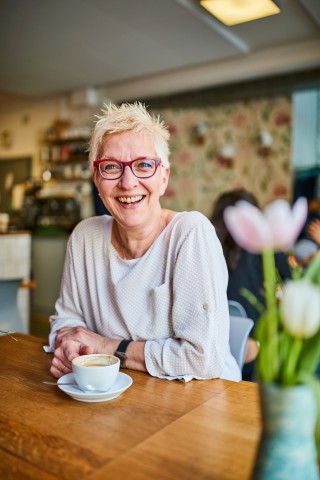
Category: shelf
[54,179]
[63,141]
[70,161]
[65,159]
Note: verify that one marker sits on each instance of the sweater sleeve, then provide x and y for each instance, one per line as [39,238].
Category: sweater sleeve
[68,312]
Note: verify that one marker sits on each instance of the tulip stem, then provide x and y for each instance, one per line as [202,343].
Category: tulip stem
[289,369]
[312,272]
[271,344]
[270,284]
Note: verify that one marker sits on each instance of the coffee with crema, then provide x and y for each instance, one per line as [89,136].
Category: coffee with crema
[94,364]
[95,379]
[95,360]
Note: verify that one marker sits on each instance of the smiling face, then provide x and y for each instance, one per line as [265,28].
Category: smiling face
[133,202]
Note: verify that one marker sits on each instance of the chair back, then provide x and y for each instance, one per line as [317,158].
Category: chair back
[240,328]
[236,309]
[10,317]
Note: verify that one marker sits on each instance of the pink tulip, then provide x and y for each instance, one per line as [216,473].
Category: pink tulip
[276,228]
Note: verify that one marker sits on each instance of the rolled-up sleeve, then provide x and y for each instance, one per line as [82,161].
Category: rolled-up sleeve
[199,347]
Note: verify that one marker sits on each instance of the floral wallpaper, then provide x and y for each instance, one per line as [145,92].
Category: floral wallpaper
[244,144]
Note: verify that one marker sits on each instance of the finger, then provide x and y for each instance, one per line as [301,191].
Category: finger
[58,368]
[61,334]
[68,351]
[57,372]
[65,369]
[85,350]
[61,358]
[71,334]
[60,363]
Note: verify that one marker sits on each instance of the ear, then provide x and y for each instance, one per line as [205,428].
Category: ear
[165,180]
[96,178]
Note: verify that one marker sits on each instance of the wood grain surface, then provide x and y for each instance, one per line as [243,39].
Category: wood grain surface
[157,429]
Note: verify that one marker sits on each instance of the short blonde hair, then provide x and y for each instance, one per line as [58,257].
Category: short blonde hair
[129,117]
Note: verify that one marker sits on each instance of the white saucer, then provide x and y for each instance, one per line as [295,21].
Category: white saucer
[121,384]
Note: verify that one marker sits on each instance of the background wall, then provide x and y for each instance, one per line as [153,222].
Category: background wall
[200,140]
[219,147]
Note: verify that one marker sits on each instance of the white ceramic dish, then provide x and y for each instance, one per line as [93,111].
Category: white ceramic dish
[122,383]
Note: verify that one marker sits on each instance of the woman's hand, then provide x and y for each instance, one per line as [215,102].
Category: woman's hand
[74,341]
[252,350]
[313,230]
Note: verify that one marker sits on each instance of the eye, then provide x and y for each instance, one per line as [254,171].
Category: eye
[110,167]
[144,164]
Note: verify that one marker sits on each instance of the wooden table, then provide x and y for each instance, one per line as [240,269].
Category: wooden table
[157,429]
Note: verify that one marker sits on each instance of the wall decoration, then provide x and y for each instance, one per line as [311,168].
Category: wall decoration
[6,139]
[199,173]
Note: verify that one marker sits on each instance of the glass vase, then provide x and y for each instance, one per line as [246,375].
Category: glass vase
[287,447]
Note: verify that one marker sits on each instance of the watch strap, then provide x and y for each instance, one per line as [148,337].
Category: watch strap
[123,345]
[121,352]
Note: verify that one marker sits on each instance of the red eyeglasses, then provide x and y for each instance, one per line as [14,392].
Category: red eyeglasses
[142,167]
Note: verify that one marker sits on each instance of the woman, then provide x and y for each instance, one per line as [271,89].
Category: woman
[145,283]
[245,269]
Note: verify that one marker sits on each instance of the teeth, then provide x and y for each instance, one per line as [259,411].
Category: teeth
[130,199]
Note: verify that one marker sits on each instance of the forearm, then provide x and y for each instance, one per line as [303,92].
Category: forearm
[184,359]
[135,356]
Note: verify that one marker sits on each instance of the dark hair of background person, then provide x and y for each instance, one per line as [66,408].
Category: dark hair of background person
[230,248]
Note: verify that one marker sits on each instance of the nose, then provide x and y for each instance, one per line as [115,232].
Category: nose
[128,179]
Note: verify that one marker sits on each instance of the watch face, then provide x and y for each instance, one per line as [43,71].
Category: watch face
[121,352]
[121,355]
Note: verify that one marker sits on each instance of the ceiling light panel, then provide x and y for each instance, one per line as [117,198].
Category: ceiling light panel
[233,12]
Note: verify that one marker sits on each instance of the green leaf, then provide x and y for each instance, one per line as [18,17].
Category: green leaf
[310,354]
[265,359]
[274,357]
[312,272]
[279,279]
[285,341]
[290,365]
[252,299]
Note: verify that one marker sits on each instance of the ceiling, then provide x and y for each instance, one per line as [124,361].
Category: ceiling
[141,48]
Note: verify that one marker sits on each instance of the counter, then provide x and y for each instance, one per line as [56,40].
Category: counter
[15,262]
[48,254]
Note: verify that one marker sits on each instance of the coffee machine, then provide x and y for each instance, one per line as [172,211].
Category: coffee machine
[58,211]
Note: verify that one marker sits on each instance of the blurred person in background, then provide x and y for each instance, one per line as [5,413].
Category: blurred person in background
[308,243]
[313,230]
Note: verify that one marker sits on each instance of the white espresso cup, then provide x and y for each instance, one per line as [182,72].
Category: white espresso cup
[95,372]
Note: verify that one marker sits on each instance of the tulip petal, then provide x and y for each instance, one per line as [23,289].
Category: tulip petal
[300,308]
[284,223]
[248,227]
[299,215]
[278,216]
[277,227]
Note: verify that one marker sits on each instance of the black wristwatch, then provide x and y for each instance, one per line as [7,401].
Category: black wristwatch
[121,352]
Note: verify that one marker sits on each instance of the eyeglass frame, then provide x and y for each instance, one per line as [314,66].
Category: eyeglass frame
[97,163]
